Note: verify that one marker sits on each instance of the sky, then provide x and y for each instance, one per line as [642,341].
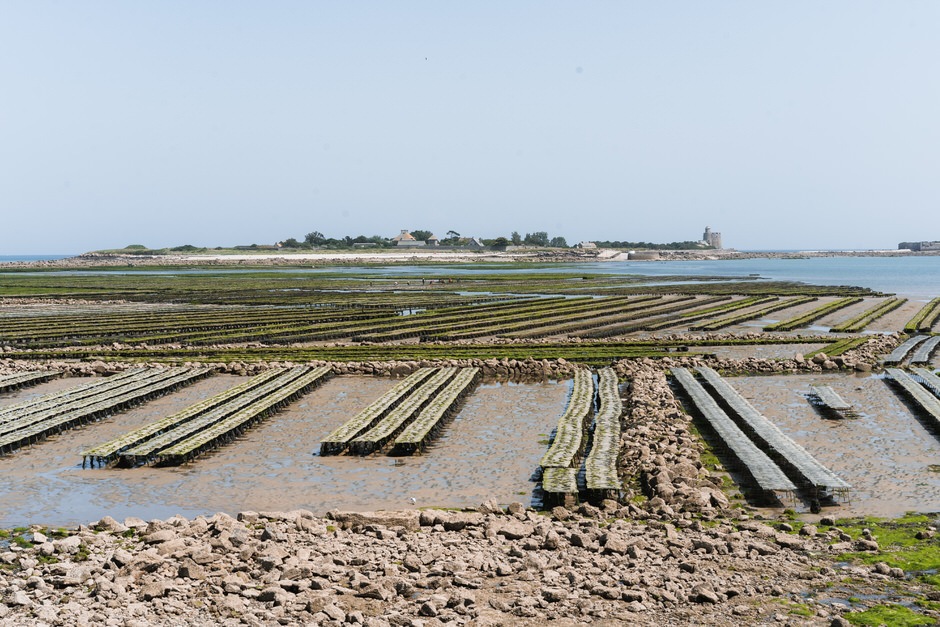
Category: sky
[792,125]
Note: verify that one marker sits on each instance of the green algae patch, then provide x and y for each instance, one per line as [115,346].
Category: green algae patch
[894,615]
[898,540]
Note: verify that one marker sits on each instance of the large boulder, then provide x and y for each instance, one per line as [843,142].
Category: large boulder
[408,519]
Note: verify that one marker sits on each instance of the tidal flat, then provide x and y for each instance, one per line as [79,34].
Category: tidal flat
[490,450]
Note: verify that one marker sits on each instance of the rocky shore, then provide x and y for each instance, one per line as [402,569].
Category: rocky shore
[609,565]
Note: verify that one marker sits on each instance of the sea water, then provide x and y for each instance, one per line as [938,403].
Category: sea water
[16,258]
[910,276]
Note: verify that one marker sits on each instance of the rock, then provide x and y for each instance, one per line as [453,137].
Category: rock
[375,591]
[455,521]
[412,563]
[121,557]
[490,506]
[703,593]
[410,520]
[552,541]
[67,545]
[615,544]
[78,575]
[808,530]
[157,537]
[554,595]
[511,528]
[109,524]
[789,541]
[275,594]
[155,590]
[18,598]
[867,545]
[334,612]
[192,570]
[560,513]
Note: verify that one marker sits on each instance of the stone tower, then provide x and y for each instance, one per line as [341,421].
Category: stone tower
[711,238]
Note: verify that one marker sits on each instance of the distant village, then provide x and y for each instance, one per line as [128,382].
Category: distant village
[419,238]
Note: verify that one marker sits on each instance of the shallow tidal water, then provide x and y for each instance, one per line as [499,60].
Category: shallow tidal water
[489,450]
[887,454]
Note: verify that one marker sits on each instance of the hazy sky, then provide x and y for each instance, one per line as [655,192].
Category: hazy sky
[781,125]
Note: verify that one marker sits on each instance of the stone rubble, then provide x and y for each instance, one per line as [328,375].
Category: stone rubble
[486,566]
[861,358]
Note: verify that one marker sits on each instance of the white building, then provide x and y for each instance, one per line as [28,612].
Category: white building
[406,239]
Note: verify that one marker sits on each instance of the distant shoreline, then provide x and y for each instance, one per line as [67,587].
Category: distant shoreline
[272,258]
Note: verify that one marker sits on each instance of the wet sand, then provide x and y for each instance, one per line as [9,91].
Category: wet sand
[885,453]
[489,451]
[750,326]
[895,320]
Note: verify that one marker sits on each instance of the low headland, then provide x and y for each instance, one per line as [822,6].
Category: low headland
[295,257]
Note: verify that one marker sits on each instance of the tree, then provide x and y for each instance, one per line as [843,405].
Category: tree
[516,238]
[314,238]
[539,238]
[558,242]
[421,236]
[290,242]
[453,235]
[500,242]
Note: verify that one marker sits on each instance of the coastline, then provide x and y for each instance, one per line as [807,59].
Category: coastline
[97,259]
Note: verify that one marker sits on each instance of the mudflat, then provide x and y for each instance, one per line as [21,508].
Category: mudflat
[489,450]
